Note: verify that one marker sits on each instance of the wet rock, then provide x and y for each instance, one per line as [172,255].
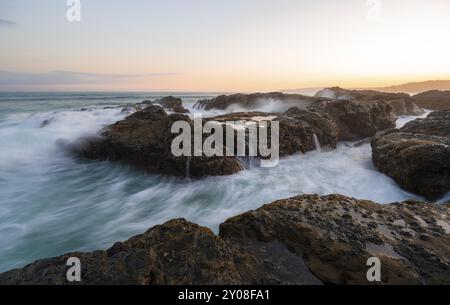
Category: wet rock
[433,100]
[301,240]
[130,108]
[144,140]
[177,252]
[172,103]
[335,235]
[356,121]
[401,103]
[417,156]
[248,102]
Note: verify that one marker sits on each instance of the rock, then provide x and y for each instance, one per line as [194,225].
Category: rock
[144,140]
[417,156]
[296,135]
[335,235]
[172,103]
[248,102]
[130,108]
[433,100]
[356,121]
[177,252]
[401,103]
[302,240]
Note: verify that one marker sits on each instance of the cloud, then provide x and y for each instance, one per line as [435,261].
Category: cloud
[10,79]
[4,22]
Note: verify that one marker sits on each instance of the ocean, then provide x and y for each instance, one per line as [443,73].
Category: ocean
[52,203]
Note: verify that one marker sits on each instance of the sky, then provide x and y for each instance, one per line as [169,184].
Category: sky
[221,45]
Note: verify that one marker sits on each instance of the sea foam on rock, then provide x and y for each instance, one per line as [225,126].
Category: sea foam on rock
[144,138]
[307,239]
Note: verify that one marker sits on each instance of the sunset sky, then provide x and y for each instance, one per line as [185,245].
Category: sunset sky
[221,45]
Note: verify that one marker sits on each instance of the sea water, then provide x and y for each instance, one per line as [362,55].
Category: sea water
[52,203]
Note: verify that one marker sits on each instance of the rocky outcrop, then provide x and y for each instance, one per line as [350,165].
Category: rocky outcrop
[417,156]
[170,103]
[433,100]
[144,139]
[302,240]
[256,101]
[401,103]
[356,121]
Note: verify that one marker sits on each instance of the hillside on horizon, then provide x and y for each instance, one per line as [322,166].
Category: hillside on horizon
[412,87]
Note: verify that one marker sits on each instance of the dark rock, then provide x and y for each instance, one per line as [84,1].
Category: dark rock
[256,100]
[357,121]
[401,103]
[302,240]
[417,156]
[177,252]
[144,139]
[433,100]
[335,235]
[172,103]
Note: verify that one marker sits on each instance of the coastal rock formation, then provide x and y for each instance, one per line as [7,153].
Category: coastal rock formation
[302,240]
[417,156]
[171,103]
[434,100]
[248,102]
[144,139]
[356,121]
[401,103]
[323,124]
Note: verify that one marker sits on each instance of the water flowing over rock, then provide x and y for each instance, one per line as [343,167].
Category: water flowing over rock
[144,139]
[434,100]
[301,240]
[280,102]
[417,156]
[401,103]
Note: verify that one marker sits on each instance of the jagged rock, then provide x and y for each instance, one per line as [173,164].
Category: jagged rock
[401,103]
[417,156]
[335,235]
[177,252]
[302,240]
[144,139]
[356,121]
[172,103]
[256,100]
[130,108]
[434,100]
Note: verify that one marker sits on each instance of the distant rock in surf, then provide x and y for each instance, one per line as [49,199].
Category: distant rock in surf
[417,156]
[170,103]
[401,103]
[301,240]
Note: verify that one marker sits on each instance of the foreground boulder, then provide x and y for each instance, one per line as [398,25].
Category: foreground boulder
[401,103]
[433,100]
[240,102]
[302,240]
[417,156]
